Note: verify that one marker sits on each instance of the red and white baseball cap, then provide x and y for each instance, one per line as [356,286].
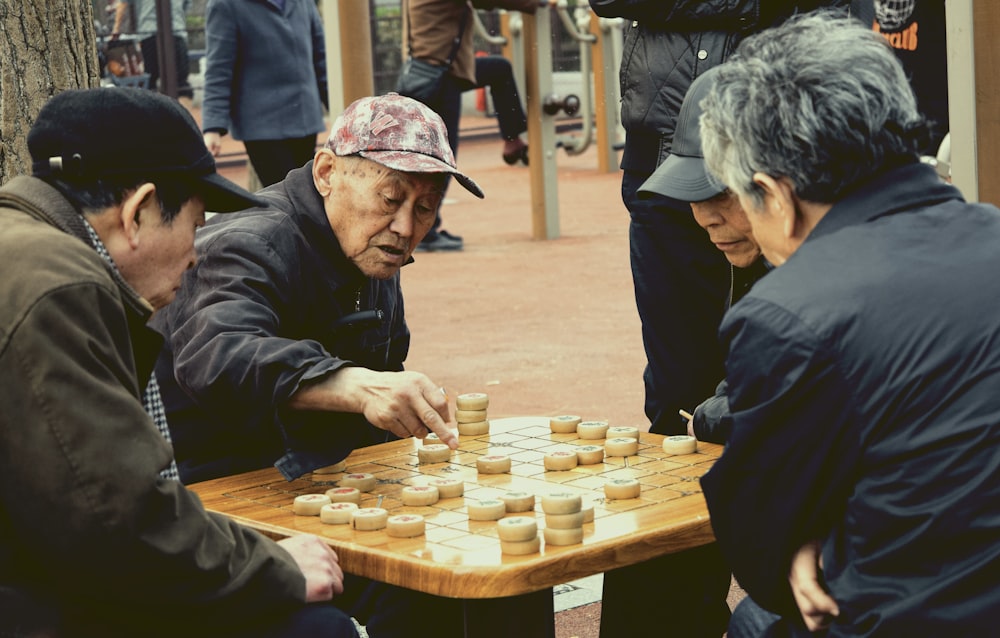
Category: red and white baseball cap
[398,132]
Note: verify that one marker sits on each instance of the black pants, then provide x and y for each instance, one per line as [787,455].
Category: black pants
[681,282]
[272,159]
[678,595]
[150,62]
[495,72]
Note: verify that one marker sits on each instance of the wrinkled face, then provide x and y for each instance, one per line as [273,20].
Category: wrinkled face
[378,214]
[162,252]
[728,228]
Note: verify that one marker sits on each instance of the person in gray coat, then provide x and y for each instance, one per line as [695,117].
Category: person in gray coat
[265,81]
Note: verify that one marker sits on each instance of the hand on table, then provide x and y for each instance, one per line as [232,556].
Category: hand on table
[319,564]
[818,609]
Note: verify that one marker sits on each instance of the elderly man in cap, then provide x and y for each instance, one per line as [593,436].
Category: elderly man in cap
[98,540]
[286,346]
[682,176]
[864,369]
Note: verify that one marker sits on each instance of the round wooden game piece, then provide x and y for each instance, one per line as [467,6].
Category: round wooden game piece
[592,429]
[564,521]
[337,513]
[619,431]
[361,480]
[493,464]
[589,454]
[555,536]
[517,528]
[621,446]
[369,518]
[520,548]
[622,489]
[433,453]
[474,429]
[680,444]
[309,504]
[470,416]
[560,460]
[331,469]
[405,526]
[419,495]
[564,423]
[344,495]
[472,401]
[518,502]
[588,511]
[448,487]
[431,439]
[490,509]
[561,503]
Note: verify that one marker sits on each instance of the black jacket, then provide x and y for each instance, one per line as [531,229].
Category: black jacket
[667,45]
[864,383]
[259,315]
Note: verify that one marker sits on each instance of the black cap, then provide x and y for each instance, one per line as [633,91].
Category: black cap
[683,175]
[126,131]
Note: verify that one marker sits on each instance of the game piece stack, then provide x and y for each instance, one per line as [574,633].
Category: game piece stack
[471,414]
[518,535]
[563,518]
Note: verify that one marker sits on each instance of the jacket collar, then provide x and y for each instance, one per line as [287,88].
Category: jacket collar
[44,202]
[897,190]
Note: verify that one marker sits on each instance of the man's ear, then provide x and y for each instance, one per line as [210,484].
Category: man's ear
[780,200]
[137,209]
[322,171]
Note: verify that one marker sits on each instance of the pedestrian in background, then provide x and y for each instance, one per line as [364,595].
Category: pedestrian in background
[144,18]
[265,81]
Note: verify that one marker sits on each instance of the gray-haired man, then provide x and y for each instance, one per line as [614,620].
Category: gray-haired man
[863,371]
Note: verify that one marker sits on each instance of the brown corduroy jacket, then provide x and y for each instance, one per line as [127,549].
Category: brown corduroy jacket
[86,523]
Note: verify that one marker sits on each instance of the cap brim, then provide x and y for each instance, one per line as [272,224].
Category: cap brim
[410,162]
[682,178]
[223,196]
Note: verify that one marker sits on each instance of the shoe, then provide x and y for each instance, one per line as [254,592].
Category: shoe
[450,236]
[520,155]
[439,243]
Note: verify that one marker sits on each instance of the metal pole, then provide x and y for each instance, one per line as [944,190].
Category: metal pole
[961,97]
[541,126]
[349,70]
[165,51]
[605,94]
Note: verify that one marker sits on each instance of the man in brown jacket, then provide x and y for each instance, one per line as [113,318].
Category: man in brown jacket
[95,541]
[430,28]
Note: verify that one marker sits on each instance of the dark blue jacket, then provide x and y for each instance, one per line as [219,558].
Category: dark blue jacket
[864,384]
[256,318]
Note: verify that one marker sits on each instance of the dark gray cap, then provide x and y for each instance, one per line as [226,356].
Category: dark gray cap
[682,175]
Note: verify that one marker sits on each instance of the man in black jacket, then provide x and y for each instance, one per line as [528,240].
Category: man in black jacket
[683,177]
[863,369]
[681,280]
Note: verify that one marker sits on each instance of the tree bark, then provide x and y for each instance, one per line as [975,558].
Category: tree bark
[46,46]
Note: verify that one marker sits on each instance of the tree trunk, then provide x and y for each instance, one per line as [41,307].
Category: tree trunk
[46,46]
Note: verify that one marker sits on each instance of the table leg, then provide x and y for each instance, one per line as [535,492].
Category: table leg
[525,616]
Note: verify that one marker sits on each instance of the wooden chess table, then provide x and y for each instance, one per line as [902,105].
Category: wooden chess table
[461,558]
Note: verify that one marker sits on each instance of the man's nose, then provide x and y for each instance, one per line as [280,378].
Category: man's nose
[403,221]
